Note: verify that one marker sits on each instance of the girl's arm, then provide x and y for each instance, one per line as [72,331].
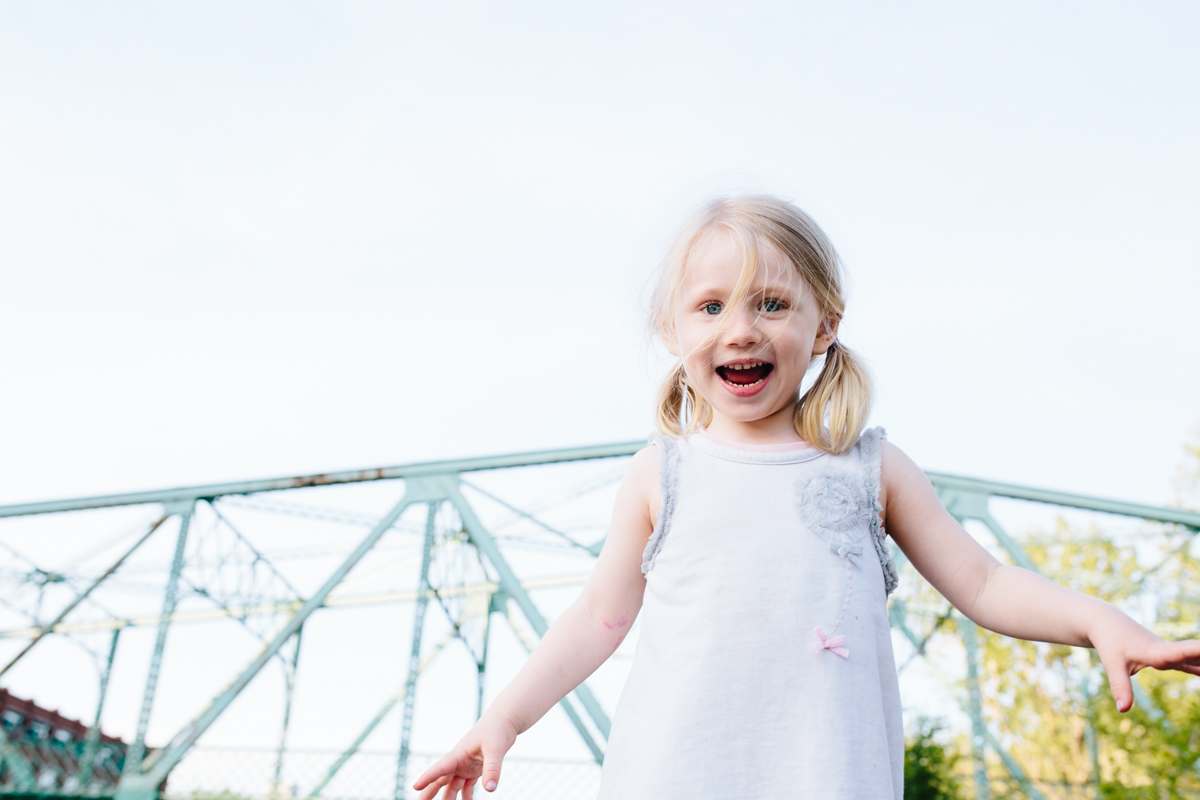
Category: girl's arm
[1010,600]
[577,643]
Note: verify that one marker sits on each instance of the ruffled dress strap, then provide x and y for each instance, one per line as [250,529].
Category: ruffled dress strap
[668,463]
[870,448]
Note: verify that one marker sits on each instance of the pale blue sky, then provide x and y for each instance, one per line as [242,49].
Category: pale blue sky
[246,241]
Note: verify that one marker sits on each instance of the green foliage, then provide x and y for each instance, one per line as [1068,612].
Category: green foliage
[929,766]
[1044,698]
[1155,751]
[224,794]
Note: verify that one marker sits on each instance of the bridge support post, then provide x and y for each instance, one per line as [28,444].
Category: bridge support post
[137,750]
[88,758]
[414,660]
[289,690]
[970,637]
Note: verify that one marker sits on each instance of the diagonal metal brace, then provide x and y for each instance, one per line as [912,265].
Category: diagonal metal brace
[1014,769]
[349,752]
[529,643]
[513,588]
[142,785]
[79,598]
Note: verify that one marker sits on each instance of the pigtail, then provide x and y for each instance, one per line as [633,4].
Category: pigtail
[681,409]
[841,395]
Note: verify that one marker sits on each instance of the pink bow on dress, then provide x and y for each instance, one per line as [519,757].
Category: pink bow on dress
[834,643]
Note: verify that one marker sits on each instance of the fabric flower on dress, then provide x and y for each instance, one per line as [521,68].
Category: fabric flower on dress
[832,505]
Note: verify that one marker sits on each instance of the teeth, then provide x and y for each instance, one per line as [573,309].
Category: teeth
[745,366]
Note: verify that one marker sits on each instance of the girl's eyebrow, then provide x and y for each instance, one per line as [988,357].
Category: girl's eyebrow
[770,288]
[708,289]
[776,288]
[789,292]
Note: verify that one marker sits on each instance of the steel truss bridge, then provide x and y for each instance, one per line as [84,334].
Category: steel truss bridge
[463,569]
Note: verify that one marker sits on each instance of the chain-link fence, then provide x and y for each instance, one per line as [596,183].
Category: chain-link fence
[250,774]
[236,773]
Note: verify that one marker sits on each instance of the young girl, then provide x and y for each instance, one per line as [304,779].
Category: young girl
[750,535]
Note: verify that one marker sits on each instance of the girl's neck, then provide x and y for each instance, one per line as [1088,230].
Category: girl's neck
[777,429]
[778,447]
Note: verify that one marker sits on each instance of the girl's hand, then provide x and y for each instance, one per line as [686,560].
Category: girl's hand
[1124,652]
[477,754]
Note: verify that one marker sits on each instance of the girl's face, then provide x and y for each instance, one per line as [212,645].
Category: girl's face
[746,359]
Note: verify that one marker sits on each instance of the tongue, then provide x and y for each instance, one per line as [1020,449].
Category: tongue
[745,376]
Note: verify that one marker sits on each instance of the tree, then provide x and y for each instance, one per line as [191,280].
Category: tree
[929,766]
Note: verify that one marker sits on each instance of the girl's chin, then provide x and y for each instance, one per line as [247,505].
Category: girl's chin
[749,410]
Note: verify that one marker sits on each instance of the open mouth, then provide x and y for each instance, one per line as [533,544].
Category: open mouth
[745,374]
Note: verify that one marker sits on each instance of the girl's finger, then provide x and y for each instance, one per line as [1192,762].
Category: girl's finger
[1119,682]
[440,768]
[432,789]
[491,769]
[452,789]
[469,789]
[1179,653]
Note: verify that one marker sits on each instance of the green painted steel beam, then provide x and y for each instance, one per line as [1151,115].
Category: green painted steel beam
[87,760]
[137,750]
[1014,769]
[289,692]
[414,660]
[349,752]
[419,470]
[970,637]
[564,704]
[975,486]
[941,480]
[484,542]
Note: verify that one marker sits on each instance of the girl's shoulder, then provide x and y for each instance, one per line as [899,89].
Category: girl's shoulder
[902,485]
[643,467]
[640,487]
[897,470]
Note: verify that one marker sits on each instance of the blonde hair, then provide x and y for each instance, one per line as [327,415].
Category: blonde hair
[831,414]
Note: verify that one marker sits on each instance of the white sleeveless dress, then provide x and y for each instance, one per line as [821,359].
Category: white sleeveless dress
[764,665]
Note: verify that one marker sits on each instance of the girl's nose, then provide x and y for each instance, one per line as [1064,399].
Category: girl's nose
[742,329]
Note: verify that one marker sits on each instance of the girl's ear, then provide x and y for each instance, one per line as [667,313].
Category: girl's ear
[826,335]
[668,340]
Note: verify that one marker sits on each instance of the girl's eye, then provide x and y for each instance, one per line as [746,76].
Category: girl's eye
[713,309]
[771,306]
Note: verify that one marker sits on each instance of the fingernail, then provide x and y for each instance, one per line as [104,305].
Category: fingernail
[491,786]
